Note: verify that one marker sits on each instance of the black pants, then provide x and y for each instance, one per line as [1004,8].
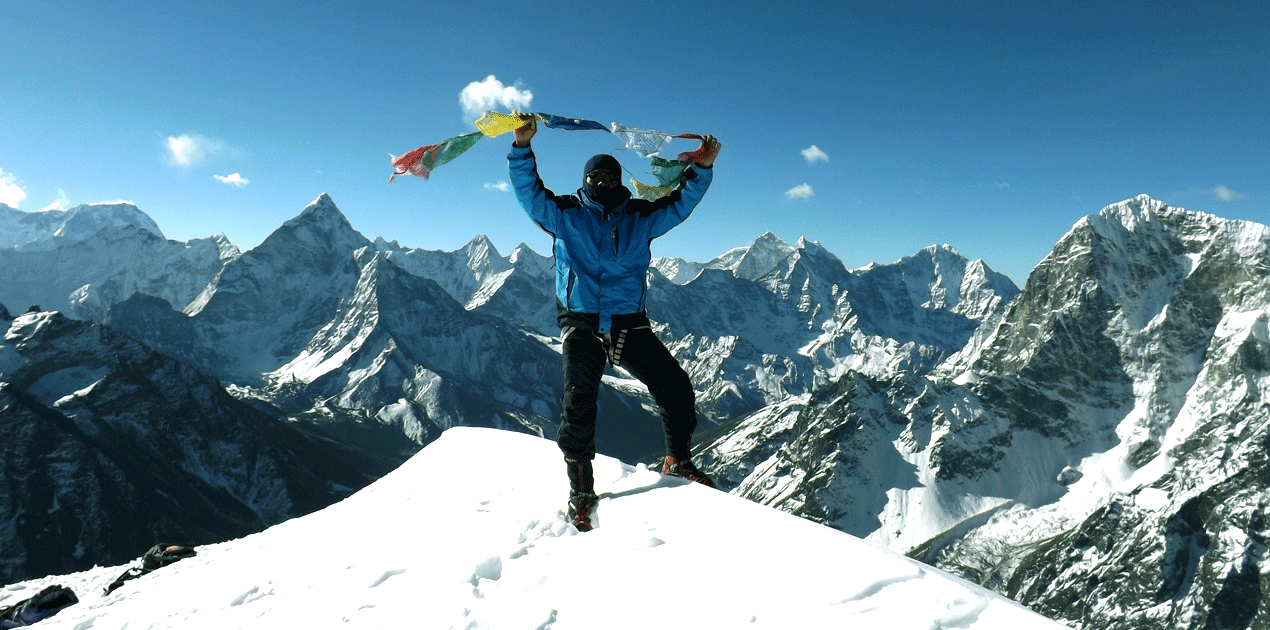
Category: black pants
[647,359]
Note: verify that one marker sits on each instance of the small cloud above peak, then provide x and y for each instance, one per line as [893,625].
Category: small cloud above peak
[491,93]
[500,187]
[814,154]
[1225,194]
[233,179]
[189,149]
[801,191]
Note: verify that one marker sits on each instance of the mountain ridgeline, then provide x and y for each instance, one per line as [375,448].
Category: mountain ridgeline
[1093,446]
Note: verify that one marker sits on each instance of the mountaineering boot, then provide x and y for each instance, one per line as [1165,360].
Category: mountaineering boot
[580,506]
[684,468]
[582,497]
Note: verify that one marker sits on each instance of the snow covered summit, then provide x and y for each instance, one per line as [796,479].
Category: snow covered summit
[469,534]
[52,228]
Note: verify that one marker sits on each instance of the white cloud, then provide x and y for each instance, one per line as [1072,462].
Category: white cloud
[500,186]
[11,193]
[60,203]
[479,96]
[813,154]
[1225,194]
[801,191]
[189,149]
[233,178]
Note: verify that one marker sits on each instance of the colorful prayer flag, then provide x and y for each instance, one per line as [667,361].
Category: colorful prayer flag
[650,193]
[668,172]
[495,124]
[692,157]
[571,124]
[646,142]
[423,160]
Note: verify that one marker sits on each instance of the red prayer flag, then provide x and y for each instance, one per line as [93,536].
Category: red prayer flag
[420,162]
[694,156]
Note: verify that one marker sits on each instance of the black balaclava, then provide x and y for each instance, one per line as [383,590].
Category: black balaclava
[609,197]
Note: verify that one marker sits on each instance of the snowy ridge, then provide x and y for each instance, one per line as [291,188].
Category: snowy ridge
[281,323]
[423,547]
[783,321]
[55,228]
[84,260]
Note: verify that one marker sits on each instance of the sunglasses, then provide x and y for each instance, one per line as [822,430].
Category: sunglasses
[602,177]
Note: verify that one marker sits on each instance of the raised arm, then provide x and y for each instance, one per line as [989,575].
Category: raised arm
[537,201]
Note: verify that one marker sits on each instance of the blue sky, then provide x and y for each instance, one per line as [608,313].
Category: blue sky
[989,126]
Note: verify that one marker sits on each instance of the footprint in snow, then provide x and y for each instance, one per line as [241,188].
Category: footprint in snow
[384,578]
[488,569]
[254,593]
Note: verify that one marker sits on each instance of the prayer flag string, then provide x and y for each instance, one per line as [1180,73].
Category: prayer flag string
[646,143]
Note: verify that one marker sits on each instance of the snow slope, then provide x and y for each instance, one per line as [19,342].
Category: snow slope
[469,534]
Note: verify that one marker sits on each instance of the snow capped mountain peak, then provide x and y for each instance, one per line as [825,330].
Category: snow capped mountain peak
[804,244]
[526,258]
[768,240]
[321,209]
[481,242]
[319,227]
[383,244]
[226,250]
[482,255]
[51,228]
[322,201]
[762,257]
[1134,209]
[1137,345]
[83,260]
[813,250]
[86,220]
[520,251]
[755,261]
[940,251]
[934,276]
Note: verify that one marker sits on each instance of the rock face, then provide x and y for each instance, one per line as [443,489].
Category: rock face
[107,447]
[1097,452]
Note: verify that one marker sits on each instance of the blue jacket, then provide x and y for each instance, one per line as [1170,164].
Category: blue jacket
[602,257]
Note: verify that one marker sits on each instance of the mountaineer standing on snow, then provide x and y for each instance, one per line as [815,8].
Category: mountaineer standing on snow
[602,237]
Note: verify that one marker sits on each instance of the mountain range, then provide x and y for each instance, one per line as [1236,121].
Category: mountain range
[1092,445]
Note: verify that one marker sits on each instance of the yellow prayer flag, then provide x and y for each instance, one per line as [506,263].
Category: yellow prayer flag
[494,123]
[650,193]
